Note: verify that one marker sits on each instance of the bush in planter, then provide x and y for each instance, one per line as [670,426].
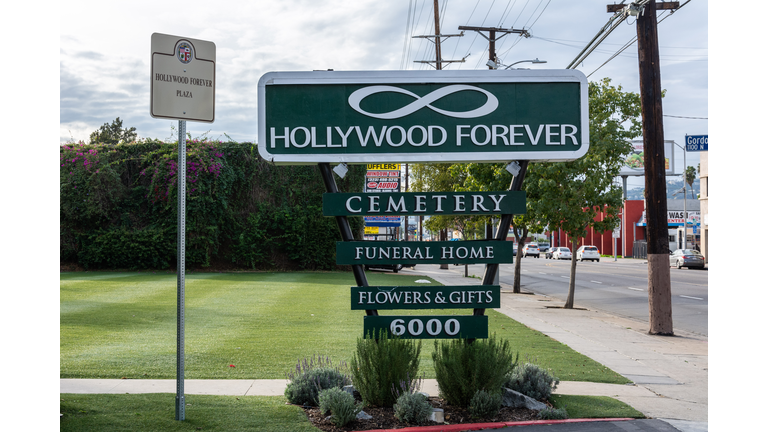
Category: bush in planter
[553,414]
[413,408]
[532,381]
[313,375]
[340,404]
[381,364]
[485,404]
[463,368]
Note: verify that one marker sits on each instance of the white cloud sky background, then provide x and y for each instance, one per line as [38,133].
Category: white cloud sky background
[105,52]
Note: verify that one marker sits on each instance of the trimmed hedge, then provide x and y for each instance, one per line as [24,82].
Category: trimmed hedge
[118,208]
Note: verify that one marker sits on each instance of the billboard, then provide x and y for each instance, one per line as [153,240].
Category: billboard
[635,166]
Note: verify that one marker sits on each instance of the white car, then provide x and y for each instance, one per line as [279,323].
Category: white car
[561,253]
[591,253]
[531,249]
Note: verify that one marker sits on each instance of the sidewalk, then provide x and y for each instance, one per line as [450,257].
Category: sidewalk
[670,373]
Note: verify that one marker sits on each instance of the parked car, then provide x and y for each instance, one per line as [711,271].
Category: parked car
[690,258]
[591,253]
[561,253]
[547,252]
[394,267]
[531,249]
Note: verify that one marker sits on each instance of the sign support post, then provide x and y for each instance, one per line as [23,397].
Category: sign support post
[182,87]
[344,229]
[180,269]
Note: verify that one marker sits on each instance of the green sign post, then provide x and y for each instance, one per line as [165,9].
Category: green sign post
[431,327]
[513,116]
[419,297]
[433,252]
[422,116]
[427,203]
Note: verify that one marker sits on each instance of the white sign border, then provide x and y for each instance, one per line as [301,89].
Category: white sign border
[408,77]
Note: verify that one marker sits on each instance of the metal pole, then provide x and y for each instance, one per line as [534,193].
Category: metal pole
[181,172]
[685,201]
[624,220]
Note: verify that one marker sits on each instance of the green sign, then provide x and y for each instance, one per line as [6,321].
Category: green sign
[420,297]
[428,203]
[422,116]
[435,252]
[428,327]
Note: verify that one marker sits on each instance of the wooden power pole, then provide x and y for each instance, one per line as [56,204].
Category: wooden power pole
[659,284]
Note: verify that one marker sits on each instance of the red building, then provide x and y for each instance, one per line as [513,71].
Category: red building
[604,241]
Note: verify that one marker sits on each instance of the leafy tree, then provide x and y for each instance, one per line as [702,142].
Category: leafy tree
[575,191]
[113,133]
[494,177]
[435,178]
[690,177]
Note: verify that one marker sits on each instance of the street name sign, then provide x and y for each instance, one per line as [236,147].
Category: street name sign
[420,297]
[183,78]
[422,116]
[695,143]
[428,327]
[436,252]
[427,203]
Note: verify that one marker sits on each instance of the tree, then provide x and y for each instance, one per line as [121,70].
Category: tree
[113,133]
[494,177]
[573,192]
[690,177]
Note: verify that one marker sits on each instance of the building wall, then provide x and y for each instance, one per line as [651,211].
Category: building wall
[704,203]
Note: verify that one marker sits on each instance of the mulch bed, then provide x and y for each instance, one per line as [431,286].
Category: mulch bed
[384,418]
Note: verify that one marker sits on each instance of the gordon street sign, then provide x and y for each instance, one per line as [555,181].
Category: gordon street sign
[427,203]
[436,252]
[183,78]
[696,143]
[422,116]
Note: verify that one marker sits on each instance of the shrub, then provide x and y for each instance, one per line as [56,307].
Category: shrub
[463,368]
[379,365]
[340,404]
[314,375]
[485,404]
[553,414]
[413,408]
[532,381]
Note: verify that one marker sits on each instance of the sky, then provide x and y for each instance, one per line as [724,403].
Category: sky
[105,53]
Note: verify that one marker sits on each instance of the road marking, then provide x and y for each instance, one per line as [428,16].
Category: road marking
[636,289]
[598,282]
[565,277]
[695,298]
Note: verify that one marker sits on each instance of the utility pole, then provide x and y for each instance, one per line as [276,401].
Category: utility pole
[659,284]
[438,61]
[492,37]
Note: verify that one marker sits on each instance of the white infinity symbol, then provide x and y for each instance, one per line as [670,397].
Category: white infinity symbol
[356,97]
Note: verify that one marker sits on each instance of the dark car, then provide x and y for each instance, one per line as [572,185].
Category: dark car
[548,252]
[394,267]
[690,258]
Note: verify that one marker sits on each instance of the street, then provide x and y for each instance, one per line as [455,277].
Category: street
[618,287]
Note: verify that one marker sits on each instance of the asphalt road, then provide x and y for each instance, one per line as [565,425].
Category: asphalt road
[620,288]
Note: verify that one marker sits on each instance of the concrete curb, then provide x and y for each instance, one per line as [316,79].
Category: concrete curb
[496,425]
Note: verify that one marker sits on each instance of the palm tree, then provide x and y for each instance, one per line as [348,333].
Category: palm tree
[690,177]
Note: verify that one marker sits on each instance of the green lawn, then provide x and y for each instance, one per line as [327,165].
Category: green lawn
[116,325]
[156,412]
